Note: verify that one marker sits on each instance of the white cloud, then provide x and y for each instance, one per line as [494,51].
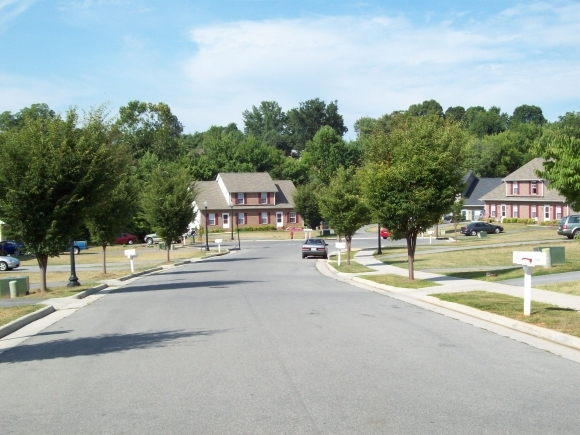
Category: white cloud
[528,54]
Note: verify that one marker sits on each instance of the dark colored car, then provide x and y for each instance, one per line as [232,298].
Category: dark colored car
[315,248]
[385,234]
[473,228]
[448,219]
[12,248]
[569,226]
[126,239]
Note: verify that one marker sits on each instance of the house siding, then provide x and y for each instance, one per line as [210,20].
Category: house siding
[252,218]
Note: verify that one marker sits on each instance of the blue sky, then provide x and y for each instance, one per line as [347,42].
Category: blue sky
[211,60]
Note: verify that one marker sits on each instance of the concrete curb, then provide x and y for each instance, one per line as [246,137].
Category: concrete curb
[135,275]
[536,331]
[90,291]
[15,325]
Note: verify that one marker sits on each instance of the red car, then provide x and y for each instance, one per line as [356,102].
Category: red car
[126,239]
[385,234]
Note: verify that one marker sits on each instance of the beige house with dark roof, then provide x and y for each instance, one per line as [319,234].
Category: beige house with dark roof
[246,199]
[523,194]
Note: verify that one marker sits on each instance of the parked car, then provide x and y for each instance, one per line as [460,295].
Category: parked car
[569,226]
[126,239]
[315,248]
[385,234]
[448,219]
[12,248]
[152,238]
[8,263]
[473,228]
[78,246]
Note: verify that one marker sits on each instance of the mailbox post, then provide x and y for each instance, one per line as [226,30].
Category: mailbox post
[219,241]
[528,260]
[339,246]
[130,254]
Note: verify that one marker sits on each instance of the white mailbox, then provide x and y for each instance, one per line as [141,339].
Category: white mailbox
[528,259]
[340,245]
[130,254]
[219,241]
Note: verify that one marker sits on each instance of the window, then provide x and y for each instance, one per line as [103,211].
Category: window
[240,199]
[503,207]
[558,212]
[515,188]
[264,217]
[292,217]
[534,188]
[515,211]
[226,220]
[534,211]
[263,198]
[241,220]
[211,220]
[493,212]
[546,212]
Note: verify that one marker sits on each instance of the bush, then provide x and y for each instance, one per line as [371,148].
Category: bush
[549,223]
[259,228]
[519,221]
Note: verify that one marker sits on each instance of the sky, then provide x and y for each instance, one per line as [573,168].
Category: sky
[210,60]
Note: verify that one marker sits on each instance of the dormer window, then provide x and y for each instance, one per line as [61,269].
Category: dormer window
[263,198]
[240,198]
[534,187]
[516,188]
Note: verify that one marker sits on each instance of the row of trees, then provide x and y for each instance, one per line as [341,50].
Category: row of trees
[60,174]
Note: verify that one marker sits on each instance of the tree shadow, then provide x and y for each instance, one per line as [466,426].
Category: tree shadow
[179,285]
[228,260]
[103,344]
[185,272]
[561,309]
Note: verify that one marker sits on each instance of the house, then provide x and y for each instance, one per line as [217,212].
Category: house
[246,199]
[475,188]
[523,194]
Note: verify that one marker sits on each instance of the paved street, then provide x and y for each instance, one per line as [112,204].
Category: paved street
[259,342]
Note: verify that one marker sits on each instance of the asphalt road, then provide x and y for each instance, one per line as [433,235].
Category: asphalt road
[259,342]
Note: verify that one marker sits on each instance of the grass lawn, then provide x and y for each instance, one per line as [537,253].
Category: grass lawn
[8,314]
[569,288]
[398,281]
[353,268]
[565,320]
[59,292]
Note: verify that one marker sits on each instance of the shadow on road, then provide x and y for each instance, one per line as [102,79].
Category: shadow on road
[179,285]
[185,272]
[227,260]
[69,348]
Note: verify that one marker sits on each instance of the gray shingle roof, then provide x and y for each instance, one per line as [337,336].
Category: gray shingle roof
[478,188]
[248,182]
[527,172]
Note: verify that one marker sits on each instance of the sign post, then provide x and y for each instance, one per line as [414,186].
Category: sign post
[130,254]
[219,241]
[528,260]
[339,246]
[430,236]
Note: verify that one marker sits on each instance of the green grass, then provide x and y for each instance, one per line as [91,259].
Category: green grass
[59,292]
[398,281]
[353,268]
[8,314]
[568,288]
[565,320]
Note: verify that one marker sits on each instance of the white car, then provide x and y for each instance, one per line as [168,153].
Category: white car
[8,263]
[152,238]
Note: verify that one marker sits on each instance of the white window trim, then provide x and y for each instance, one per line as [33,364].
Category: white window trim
[503,209]
[493,210]
[263,218]
[240,199]
[515,188]
[547,212]
[211,219]
[515,211]
[558,212]
[534,186]
[534,211]
[292,217]
[264,198]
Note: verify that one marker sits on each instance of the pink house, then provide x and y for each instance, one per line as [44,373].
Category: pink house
[523,194]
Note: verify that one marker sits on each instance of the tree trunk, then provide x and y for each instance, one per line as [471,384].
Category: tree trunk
[42,260]
[168,247]
[348,239]
[411,245]
[105,258]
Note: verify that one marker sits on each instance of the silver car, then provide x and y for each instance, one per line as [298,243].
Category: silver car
[315,248]
[152,238]
[8,262]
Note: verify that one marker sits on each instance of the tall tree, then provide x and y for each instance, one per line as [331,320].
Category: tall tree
[455,113]
[306,203]
[150,127]
[343,206]
[481,122]
[426,108]
[413,175]
[305,121]
[267,122]
[51,171]
[35,111]
[167,202]
[525,114]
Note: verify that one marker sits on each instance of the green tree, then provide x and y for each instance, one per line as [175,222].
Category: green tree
[527,114]
[267,122]
[150,127]
[113,214]
[343,206]
[426,108]
[413,175]
[306,203]
[167,202]
[35,111]
[52,170]
[456,209]
[305,121]
[455,113]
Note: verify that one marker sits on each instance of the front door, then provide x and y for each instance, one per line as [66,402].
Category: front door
[279,219]
[225,220]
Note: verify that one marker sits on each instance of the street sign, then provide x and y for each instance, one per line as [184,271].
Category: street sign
[340,245]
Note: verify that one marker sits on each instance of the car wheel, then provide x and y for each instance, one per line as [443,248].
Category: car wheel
[303,256]
[3,266]
[76,250]
[570,236]
[497,231]
[473,233]
[130,242]
[16,253]
[325,256]
[149,241]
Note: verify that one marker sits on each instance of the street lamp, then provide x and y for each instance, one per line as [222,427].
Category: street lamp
[379,251]
[232,219]
[206,236]
[73,281]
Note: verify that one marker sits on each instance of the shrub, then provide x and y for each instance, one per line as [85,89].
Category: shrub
[549,223]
